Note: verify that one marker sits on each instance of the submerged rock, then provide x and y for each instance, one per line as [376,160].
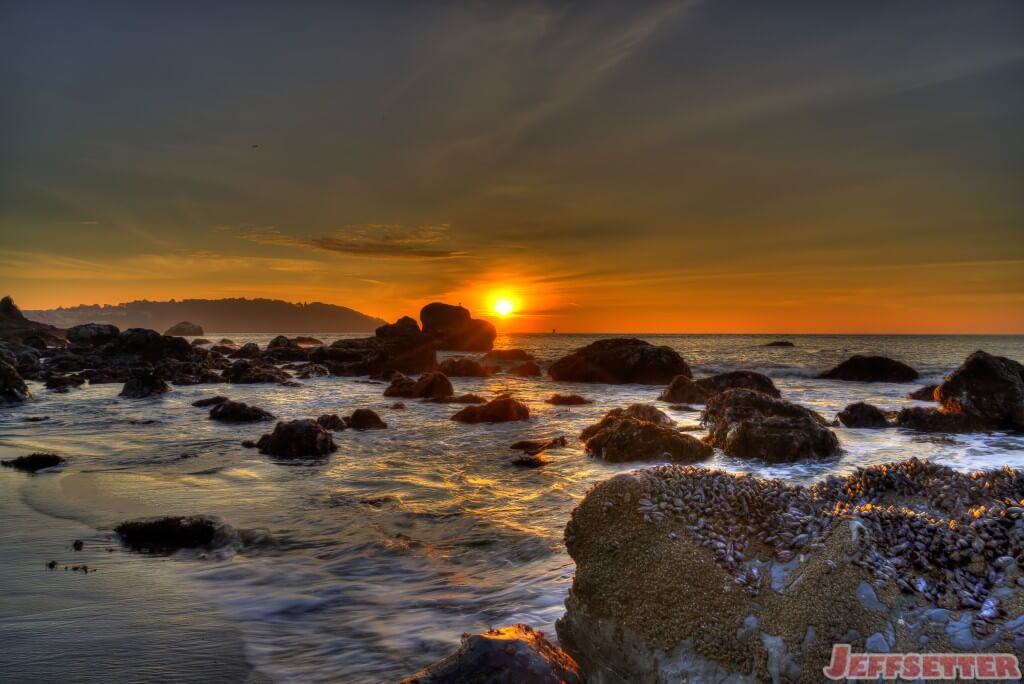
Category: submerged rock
[238,412]
[860,368]
[618,361]
[209,401]
[500,410]
[686,390]
[431,385]
[12,387]
[451,327]
[507,355]
[185,329]
[988,388]
[144,383]
[297,439]
[461,367]
[365,419]
[536,446]
[861,415]
[926,393]
[166,535]
[623,439]
[567,400]
[508,655]
[33,462]
[526,370]
[465,399]
[751,424]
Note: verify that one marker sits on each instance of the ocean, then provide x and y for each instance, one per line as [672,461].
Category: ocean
[371,564]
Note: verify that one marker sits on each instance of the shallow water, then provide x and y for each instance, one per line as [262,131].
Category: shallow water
[368,565]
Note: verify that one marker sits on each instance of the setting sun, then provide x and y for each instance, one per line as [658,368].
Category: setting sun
[504,307]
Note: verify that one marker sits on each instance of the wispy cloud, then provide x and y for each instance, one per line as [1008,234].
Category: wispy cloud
[378,240]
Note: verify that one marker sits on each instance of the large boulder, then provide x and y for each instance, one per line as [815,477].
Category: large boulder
[750,424]
[507,355]
[500,410]
[988,388]
[684,389]
[92,334]
[147,345]
[185,329]
[404,328]
[432,385]
[378,356]
[13,389]
[365,419]
[238,412]
[245,371]
[860,368]
[508,655]
[144,383]
[620,360]
[452,328]
[686,574]
[529,369]
[644,412]
[630,439]
[862,415]
[297,439]
[461,367]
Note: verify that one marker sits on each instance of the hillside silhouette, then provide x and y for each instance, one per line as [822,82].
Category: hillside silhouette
[217,315]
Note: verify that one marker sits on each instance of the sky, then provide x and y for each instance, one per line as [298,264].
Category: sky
[714,166]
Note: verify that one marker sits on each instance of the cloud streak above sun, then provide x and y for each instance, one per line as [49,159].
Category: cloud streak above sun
[668,166]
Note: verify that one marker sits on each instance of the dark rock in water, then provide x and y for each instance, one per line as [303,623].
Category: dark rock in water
[391,350]
[397,406]
[528,460]
[861,415]
[146,344]
[238,412]
[184,329]
[644,412]
[14,327]
[465,399]
[933,420]
[859,368]
[12,387]
[460,367]
[567,400]
[926,393]
[144,383]
[780,343]
[452,328]
[245,371]
[526,370]
[304,341]
[618,361]
[431,385]
[686,408]
[507,355]
[297,439]
[989,388]
[36,419]
[331,421]
[500,410]
[365,419]
[249,350]
[33,462]
[280,342]
[750,424]
[249,444]
[209,401]
[716,384]
[509,655]
[404,327]
[77,545]
[683,388]
[199,341]
[61,383]
[166,535]
[624,439]
[24,359]
[92,334]
[535,446]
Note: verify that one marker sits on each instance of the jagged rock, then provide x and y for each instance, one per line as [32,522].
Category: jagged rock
[461,367]
[507,355]
[209,401]
[331,421]
[861,415]
[750,424]
[166,535]
[297,439]
[144,383]
[859,368]
[92,334]
[500,410]
[33,462]
[452,328]
[509,655]
[623,439]
[567,400]
[526,370]
[247,372]
[12,387]
[365,419]
[988,388]
[238,412]
[184,329]
[926,393]
[686,390]
[619,361]
[932,420]
[432,385]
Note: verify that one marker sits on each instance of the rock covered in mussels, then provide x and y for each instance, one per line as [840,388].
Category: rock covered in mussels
[861,368]
[500,410]
[297,439]
[989,388]
[751,424]
[618,361]
[508,655]
[690,574]
[684,389]
[862,415]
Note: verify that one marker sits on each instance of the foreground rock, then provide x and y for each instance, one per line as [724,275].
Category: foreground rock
[297,439]
[626,439]
[567,400]
[166,535]
[750,424]
[685,574]
[683,389]
[452,328]
[13,389]
[144,383]
[861,415]
[500,410]
[859,368]
[988,388]
[238,412]
[433,385]
[509,655]
[185,329]
[618,361]
[365,419]
[33,462]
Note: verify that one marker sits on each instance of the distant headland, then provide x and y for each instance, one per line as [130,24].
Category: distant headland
[219,315]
